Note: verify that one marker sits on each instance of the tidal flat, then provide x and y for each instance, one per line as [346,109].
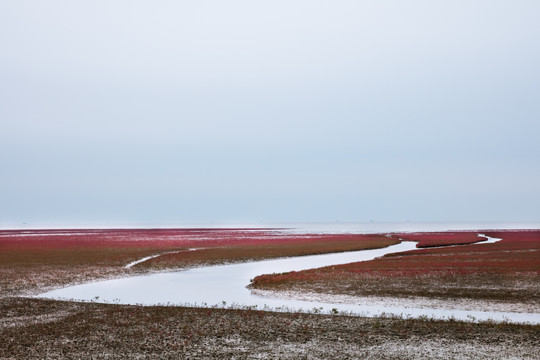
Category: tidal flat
[37,328]
[32,262]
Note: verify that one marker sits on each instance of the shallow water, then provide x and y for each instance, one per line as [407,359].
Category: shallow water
[211,285]
[225,285]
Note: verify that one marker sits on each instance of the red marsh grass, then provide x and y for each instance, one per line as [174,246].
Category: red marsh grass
[435,239]
[508,270]
[34,260]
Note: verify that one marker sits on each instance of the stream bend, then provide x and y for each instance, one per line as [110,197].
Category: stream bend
[224,286]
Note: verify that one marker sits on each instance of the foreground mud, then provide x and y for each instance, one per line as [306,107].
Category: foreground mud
[38,329]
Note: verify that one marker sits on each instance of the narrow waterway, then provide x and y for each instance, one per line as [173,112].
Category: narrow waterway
[225,286]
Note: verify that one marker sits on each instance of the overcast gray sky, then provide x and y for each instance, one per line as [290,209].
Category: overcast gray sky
[247,111]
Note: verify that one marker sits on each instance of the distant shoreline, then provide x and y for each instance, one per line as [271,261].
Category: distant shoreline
[326,227]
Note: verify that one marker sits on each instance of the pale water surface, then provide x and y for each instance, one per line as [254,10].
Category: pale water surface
[225,285]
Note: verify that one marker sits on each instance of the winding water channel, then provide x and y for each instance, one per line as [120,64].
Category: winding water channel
[225,286]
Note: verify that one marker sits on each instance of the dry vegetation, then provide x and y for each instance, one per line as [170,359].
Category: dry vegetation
[39,328]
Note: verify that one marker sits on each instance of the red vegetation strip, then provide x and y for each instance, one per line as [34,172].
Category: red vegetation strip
[518,252]
[161,238]
[30,260]
[436,239]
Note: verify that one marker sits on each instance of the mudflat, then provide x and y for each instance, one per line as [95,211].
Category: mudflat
[34,261]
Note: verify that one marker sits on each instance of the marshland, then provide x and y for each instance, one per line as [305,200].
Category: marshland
[34,262]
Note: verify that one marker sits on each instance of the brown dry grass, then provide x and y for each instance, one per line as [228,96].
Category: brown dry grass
[37,329]
[28,271]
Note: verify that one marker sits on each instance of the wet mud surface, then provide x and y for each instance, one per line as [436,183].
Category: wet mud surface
[37,329]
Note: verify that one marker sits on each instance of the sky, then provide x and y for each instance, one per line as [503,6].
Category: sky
[175,112]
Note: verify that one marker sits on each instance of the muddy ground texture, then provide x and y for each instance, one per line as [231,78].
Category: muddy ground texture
[39,328]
